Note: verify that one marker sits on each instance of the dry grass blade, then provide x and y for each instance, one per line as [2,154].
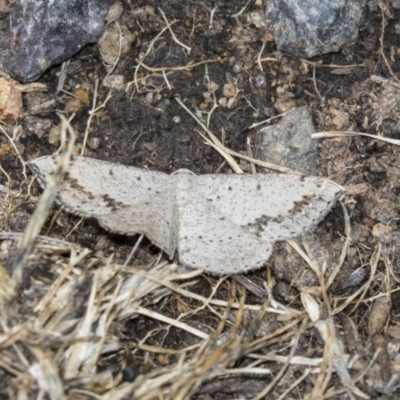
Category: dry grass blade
[334,353]
[46,201]
[92,113]
[332,134]
[282,371]
[227,153]
[363,289]
[217,144]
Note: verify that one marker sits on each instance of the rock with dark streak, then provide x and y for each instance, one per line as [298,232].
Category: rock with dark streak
[308,28]
[43,33]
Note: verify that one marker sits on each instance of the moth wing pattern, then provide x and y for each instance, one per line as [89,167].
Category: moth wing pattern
[156,217]
[273,206]
[93,188]
[210,241]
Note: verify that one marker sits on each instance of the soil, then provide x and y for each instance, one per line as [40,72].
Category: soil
[145,126]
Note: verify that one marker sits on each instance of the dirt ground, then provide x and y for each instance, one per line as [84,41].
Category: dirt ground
[326,324]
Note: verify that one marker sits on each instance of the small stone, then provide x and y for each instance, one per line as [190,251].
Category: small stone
[283,104]
[256,19]
[212,87]
[260,80]
[176,119]
[54,135]
[93,143]
[115,42]
[40,103]
[380,230]
[379,315]
[150,146]
[229,90]
[39,126]
[237,68]
[223,101]
[83,95]
[5,149]
[73,105]
[78,101]
[308,28]
[114,12]
[11,108]
[340,121]
[288,143]
[114,81]
[43,33]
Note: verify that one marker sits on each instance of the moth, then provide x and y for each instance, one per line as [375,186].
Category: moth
[223,224]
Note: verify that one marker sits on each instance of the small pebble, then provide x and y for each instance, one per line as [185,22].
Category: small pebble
[11,108]
[115,43]
[260,80]
[54,135]
[237,68]
[222,102]
[38,125]
[114,81]
[93,143]
[229,90]
[283,106]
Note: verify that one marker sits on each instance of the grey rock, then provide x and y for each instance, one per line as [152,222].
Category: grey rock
[308,28]
[289,143]
[43,33]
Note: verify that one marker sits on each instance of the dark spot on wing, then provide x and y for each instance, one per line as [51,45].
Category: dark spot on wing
[262,222]
[112,203]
